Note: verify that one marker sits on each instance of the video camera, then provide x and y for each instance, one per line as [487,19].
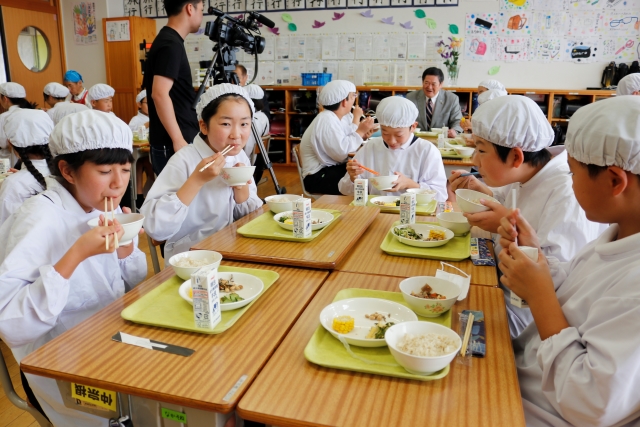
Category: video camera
[237,32]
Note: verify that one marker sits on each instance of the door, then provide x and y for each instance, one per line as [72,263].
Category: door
[33,49]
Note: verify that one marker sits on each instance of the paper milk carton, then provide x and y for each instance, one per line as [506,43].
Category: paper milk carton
[408,208]
[302,218]
[360,192]
[514,299]
[5,165]
[206,298]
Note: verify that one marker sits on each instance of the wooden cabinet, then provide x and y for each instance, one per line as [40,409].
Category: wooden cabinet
[122,61]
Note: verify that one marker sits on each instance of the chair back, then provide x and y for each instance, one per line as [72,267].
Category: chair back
[298,159]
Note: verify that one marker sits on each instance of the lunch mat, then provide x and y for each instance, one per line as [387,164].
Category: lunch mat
[264,227]
[164,306]
[325,350]
[456,249]
[420,209]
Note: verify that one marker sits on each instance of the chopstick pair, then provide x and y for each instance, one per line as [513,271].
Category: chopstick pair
[467,334]
[113,220]
[470,174]
[366,168]
[223,152]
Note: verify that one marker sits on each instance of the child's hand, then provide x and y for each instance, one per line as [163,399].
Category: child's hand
[357,114]
[210,172]
[93,241]
[488,220]
[365,126]
[530,280]
[354,169]
[513,226]
[402,183]
[467,182]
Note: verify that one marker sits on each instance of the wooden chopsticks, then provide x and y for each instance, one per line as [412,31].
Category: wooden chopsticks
[223,152]
[467,334]
[113,220]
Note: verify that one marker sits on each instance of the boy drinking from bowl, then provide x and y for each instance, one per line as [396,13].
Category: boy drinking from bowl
[416,162]
[512,136]
[578,362]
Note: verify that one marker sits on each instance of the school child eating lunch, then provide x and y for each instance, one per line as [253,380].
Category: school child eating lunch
[101,97]
[55,270]
[512,135]
[578,361]
[416,162]
[54,94]
[189,200]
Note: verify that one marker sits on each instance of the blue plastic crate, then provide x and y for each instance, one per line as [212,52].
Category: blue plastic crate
[315,79]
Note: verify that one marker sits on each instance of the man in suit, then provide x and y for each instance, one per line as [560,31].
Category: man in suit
[436,108]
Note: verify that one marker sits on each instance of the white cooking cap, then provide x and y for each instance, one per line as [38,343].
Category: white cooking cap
[56,90]
[396,112]
[217,91]
[490,94]
[336,91]
[26,127]
[101,91]
[254,91]
[142,95]
[492,84]
[513,121]
[89,130]
[12,90]
[607,133]
[63,109]
[629,84]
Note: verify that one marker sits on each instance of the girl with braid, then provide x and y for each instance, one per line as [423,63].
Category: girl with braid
[27,132]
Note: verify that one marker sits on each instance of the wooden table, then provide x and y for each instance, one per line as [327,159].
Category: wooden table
[87,355]
[324,252]
[366,256]
[290,391]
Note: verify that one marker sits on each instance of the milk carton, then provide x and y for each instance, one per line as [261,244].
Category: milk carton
[360,192]
[532,253]
[5,165]
[302,218]
[408,208]
[206,298]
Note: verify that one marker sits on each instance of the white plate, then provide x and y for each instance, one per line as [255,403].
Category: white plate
[325,217]
[357,308]
[252,286]
[424,230]
[386,199]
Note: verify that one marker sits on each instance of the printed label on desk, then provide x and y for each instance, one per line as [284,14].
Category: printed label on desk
[172,415]
[96,396]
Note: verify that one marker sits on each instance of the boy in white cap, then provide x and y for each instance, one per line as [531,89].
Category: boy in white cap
[190,200]
[28,134]
[142,118]
[328,140]
[417,162]
[578,362]
[54,94]
[488,95]
[512,136]
[495,89]
[63,109]
[55,270]
[101,97]
[489,84]
[629,85]
[12,96]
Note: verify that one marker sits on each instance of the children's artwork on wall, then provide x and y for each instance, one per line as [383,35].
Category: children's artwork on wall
[626,49]
[480,48]
[608,48]
[516,4]
[547,49]
[584,4]
[550,22]
[582,50]
[515,24]
[622,4]
[481,24]
[548,5]
[513,49]
[84,23]
[620,22]
[584,24]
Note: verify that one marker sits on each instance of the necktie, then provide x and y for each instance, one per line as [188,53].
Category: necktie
[429,113]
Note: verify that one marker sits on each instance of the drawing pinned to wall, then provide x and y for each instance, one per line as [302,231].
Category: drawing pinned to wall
[582,50]
[550,23]
[548,5]
[515,23]
[626,49]
[406,25]
[480,48]
[367,13]
[317,24]
[337,16]
[431,23]
[388,21]
[620,22]
[584,23]
[513,49]
[292,27]
[608,48]
[494,70]
[453,29]
[584,4]
[546,49]
[419,13]
[481,24]
[516,4]
[84,23]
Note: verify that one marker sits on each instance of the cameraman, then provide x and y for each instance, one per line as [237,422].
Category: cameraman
[172,119]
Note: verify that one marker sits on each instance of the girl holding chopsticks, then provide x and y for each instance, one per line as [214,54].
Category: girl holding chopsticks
[190,201]
[55,271]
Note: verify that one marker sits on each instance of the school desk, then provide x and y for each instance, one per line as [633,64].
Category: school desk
[290,391]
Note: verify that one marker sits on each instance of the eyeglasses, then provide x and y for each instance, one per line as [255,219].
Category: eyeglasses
[430,84]
[628,20]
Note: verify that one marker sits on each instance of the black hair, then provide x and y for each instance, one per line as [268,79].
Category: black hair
[258,104]
[174,7]
[37,150]
[57,99]
[595,170]
[212,108]
[101,156]
[334,107]
[433,71]
[534,159]
[22,103]
[243,68]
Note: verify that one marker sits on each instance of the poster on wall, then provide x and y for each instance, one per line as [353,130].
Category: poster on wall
[84,23]
[118,31]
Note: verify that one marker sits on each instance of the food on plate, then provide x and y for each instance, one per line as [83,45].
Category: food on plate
[229,285]
[427,345]
[435,235]
[343,324]
[378,330]
[381,203]
[286,219]
[233,297]
[427,292]
[188,262]
[411,234]
[376,316]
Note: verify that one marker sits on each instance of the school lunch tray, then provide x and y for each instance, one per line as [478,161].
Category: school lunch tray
[456,249]
[325,350]
[164,307]
[264,227]
[427,209]
[450,153]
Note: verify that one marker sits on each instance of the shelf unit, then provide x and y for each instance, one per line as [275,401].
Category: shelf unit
[558,105]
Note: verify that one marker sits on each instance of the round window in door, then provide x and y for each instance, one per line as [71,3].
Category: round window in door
[34,49]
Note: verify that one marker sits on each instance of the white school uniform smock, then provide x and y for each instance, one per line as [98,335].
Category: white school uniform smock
[261,122]
[548,203]
[17,188]
[182,226]
[137,121]
[587,375]
[327,142]
[420,161]
[5,151]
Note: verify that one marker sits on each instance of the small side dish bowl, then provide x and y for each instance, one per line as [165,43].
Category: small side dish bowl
[212,259]
[131,223]
[464,151]
[469,200]
[238,175]
[427,307]
[281,202]
[455,222]
[384,183]
[424,196]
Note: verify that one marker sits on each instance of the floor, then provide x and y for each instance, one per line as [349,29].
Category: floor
[11,416]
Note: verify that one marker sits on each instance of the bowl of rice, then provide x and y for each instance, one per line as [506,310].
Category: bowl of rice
[422,348]
[469,200]
[281,202]
[187,263]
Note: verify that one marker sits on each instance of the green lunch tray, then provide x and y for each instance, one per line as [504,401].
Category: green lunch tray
[164,307]
[450,153]
[264,227]
[457,249]
[420,209]
[325,350]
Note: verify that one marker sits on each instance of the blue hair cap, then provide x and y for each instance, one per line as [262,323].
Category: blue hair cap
[72,76]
